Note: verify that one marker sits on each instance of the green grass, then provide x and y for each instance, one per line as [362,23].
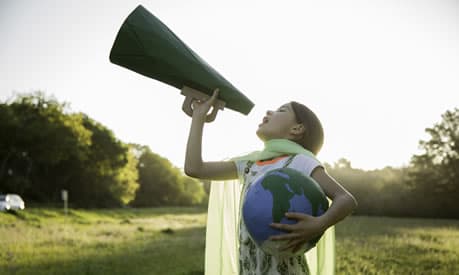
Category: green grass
[171,241]
[380,245]
[146,241]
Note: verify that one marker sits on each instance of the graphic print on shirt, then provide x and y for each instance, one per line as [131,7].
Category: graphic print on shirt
[253,260]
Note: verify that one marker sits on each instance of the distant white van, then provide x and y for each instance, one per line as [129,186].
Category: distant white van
[11,202]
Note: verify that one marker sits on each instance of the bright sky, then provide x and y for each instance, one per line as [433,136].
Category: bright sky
[377,73]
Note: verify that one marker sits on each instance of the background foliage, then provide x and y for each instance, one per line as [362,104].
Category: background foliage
[427,187]
[45,148]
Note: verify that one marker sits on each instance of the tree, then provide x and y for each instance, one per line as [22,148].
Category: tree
[37,137]
[435,172]
[194,192]
[44,148]
[108,176]
[163,184]
[378,192]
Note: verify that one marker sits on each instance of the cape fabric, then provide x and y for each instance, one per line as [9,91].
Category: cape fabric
[222,252]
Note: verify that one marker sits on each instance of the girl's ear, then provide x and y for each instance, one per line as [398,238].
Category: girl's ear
[298,130]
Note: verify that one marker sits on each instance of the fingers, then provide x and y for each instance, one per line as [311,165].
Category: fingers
[283,226]
[282,237]
[293,241]
[297,247]
[195,102]
[293,246]
[209,102]
[296,216]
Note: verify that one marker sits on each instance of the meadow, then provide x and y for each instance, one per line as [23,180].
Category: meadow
[171,241]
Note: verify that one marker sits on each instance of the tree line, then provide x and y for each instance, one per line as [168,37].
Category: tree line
[427,187]
[45,148]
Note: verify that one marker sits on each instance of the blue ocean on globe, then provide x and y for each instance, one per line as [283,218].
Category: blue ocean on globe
[273,194]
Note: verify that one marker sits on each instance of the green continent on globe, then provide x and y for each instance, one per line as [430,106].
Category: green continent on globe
[281,195]
[277,181]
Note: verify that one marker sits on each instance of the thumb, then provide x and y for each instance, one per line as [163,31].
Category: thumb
[214,96]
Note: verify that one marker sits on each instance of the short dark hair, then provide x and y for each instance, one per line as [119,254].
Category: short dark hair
[313,137]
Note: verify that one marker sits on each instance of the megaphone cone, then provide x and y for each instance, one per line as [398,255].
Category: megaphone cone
[147,46]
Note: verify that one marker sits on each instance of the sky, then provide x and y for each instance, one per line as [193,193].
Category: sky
[377,73]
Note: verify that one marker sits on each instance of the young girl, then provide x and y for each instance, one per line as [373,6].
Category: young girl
[293,136]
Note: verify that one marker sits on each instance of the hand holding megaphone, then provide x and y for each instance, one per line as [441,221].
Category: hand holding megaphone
[198,103]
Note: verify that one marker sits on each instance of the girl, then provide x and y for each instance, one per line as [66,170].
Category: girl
[293,136]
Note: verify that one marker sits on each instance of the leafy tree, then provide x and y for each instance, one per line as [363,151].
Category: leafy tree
[378,192]
[194,192]
[428,187]
[163,184]
[44,148]
[128,177]
[37,137]
[157,179]
[108,176]
[435,173]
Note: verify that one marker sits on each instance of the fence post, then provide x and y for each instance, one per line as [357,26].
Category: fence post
[65,197]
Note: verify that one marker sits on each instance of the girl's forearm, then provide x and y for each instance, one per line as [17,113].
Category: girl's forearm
[193,156]
[194,165]
[341,207]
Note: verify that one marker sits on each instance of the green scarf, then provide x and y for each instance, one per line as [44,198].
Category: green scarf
[275,148]
[223,216]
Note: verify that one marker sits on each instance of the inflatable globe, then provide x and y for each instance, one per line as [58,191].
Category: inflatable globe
[273,194]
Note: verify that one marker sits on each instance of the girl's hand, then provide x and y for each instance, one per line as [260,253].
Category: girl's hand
[201,108]
[307,228]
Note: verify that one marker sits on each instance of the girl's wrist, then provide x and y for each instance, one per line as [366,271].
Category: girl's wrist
[324,223]
[198,119]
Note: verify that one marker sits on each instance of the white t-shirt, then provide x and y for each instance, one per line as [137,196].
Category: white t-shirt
[252,260]
[301,163]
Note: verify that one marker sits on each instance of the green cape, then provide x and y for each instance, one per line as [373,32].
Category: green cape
[222,251]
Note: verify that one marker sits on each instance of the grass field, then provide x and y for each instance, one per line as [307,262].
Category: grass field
[171,241]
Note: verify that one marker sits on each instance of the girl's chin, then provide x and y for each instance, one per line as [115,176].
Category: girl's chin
[261,135]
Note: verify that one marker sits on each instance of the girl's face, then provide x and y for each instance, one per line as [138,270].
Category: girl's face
[278,124]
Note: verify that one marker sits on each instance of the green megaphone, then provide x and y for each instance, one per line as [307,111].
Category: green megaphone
[147,46]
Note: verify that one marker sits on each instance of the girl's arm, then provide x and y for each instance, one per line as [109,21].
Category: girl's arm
[343,203]
[307,227]
[194,165]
